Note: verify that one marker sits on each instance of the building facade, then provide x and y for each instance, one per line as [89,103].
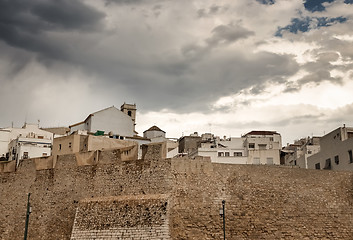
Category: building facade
[110,121]
[27,142]
[256,147]
[335,151]
[297,154]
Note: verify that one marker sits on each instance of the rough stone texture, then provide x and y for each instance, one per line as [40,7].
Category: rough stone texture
[262,202]
[137,217]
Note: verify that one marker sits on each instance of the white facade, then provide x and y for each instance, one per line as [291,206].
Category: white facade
[111,121]
[4,142]
[27,142]
[297,154]
[336,151]
[249,149]
[24,148]
[263,147]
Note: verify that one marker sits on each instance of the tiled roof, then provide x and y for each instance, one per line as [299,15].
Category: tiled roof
[155,128]
[261,133]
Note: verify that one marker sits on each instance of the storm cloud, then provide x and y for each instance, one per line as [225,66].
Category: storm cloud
[64,59]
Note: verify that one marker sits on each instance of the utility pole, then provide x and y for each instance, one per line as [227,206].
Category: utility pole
[29,210]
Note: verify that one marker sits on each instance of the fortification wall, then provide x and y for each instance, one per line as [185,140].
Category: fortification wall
[56,193]
[262,202]
[177,198]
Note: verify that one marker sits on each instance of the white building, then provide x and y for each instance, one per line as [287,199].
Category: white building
[27,142]
[155,134]
[335,151]
[263,147]
[297,154]
[256,147]
[110,121]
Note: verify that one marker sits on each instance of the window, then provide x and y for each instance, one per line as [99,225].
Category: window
[262,146]
[59,146]
[328,164]
[256,161]
[45,154]
[227,154]
[309,151]
[271,139]
[238,154]
[129,113]
[69,144]
[337,160]
[251,145]
[295,162]
[25,155]
[269,161]
[317,166]
[350,156]
[220,154]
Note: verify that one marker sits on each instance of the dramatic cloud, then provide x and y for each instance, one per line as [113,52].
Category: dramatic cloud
[199,65]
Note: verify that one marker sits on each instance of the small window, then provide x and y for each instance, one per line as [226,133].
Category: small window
[69,144]
[317,166]
[256,161]
[25,155]
[220,154]
[269,161]
[45,154]
[271,139]
[337,160]
[238,154]
[59,146]
[309,152]
[41,137]
[227,154]
[262,146]
[295,162]
[251,145]
[129,113]
[350,156]
[328,164]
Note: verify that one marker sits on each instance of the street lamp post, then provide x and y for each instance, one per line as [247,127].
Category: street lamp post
[29,210]
[222,213]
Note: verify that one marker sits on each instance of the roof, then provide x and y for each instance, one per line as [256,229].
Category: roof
[154,128]
[262,133]
[76,124]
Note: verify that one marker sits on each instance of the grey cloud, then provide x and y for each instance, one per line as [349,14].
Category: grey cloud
[228,34]
[211,11]
[25,24]
[319,76]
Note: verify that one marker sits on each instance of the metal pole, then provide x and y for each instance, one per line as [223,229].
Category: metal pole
[224,219]
[27,216]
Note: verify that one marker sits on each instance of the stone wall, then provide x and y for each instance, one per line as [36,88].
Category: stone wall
[56,193]
[262,202]
[176,198]
[136,217]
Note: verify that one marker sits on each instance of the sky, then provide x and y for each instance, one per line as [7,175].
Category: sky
[226,67]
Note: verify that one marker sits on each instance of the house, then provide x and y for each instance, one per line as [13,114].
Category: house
[110,121]
[189,144]
[263,147]
[79,142]
[224,150]
[256,147]
[335,151]
[297,154]
[156,135]
[27,142]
